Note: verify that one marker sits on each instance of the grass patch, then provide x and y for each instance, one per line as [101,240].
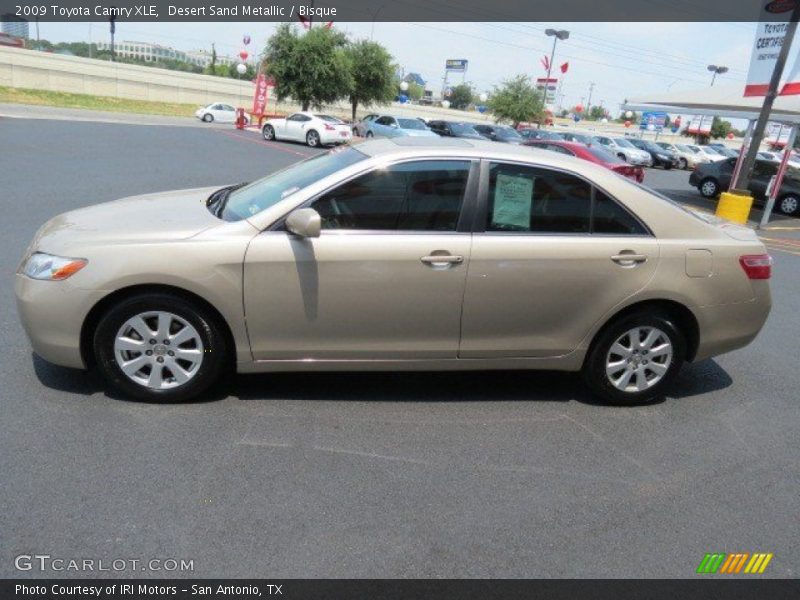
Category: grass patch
[90,102]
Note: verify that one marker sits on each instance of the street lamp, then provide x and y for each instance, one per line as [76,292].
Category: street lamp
[716,71]
[556,34]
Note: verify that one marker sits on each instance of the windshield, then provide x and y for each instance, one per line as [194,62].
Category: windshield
[463,129]
[507,133]
[604,155]
[695,149]
[624,143]
[411,124]
[263,193]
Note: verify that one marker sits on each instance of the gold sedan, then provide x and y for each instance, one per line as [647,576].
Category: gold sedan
[404,254]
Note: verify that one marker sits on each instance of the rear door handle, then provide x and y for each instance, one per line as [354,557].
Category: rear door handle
[451,259]
[629,259]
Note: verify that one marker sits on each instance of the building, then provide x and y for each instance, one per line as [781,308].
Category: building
[14,26]
[7,40]
[155,52]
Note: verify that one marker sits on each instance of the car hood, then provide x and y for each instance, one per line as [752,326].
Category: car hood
[420,133]
[162,216]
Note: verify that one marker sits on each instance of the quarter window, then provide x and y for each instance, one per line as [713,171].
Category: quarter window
[417,196]
[609,217]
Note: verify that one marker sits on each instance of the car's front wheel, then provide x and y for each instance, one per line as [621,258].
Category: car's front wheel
[207,118]
[159,347]
[268,132]
[709,188]
[789,205]
[635,359]
[683,164]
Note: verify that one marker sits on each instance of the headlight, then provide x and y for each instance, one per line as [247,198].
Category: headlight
[52,268]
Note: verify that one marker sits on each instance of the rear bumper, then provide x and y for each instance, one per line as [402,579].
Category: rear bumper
[731,326]
[52,314]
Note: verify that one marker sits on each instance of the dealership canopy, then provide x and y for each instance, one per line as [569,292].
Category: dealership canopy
[719,100]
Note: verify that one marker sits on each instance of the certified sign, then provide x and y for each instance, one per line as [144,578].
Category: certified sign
[770,37]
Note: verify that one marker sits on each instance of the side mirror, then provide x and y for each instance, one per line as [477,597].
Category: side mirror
[304,222]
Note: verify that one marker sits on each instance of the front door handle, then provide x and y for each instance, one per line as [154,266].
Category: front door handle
[629,258]
[443,259]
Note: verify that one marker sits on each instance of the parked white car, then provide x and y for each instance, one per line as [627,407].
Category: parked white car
[687,158]
[313,129]
[623,149]
[712,153]
[218,112]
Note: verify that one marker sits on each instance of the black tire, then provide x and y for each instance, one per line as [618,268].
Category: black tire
[789,205]
[709,188]
[667,166]
[208,118]
[370,134]
[312,139]
[683,164]
[209,330]
[268,132]
[594,369]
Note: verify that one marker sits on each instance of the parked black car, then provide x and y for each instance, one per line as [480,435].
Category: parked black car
[454,129]
[661,157]
[712,178]
[499,133]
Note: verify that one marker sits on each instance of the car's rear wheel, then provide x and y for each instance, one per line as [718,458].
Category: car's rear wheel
[635,359]
[709,188]
[312,139]
[268,132]
[159,347]
[683,163]
[370,134]
[789,205]
[208,118]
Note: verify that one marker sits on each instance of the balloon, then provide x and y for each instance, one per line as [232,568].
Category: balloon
[604,120]
[246,40]
[730,135]
[445,104]
[483,97]
[402,98]
[628,114]
[404,85]
[627,123]
[481,109]
[576,118]
[579,108]
[243,55]
[241,69]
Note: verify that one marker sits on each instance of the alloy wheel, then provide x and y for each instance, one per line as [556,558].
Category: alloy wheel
[158,350]
[639,359]
[789,205]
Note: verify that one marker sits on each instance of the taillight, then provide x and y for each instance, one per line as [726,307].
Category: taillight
[330,127]
[757,266]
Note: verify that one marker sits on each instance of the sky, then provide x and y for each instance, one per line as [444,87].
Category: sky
[623,60]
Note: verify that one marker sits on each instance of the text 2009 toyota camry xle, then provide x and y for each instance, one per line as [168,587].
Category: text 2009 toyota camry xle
[398,254]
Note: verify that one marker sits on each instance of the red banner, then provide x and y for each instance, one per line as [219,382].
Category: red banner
[260,98]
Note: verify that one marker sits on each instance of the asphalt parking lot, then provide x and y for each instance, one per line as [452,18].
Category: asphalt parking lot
[377,475]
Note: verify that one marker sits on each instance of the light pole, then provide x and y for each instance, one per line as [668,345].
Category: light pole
[556,34]
[716,71]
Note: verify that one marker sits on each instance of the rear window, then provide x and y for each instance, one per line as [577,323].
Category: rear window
[411,124]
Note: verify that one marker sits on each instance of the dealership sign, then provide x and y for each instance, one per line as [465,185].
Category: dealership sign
[653,121]
[770,34]
[456,64]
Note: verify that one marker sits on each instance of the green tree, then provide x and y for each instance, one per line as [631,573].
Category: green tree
[313,68]
[596,113]
[461,97]
[516,100]
[213,64]
[373,74]
[720,128]
[415,91]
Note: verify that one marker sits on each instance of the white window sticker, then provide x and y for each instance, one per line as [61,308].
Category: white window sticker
[512,202]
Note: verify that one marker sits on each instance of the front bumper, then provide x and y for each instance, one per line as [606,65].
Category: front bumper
[52,314]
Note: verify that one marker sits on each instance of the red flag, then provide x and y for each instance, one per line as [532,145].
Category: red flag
[564,67]
[546,63]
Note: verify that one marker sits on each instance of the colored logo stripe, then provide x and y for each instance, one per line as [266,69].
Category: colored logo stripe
[721,562]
